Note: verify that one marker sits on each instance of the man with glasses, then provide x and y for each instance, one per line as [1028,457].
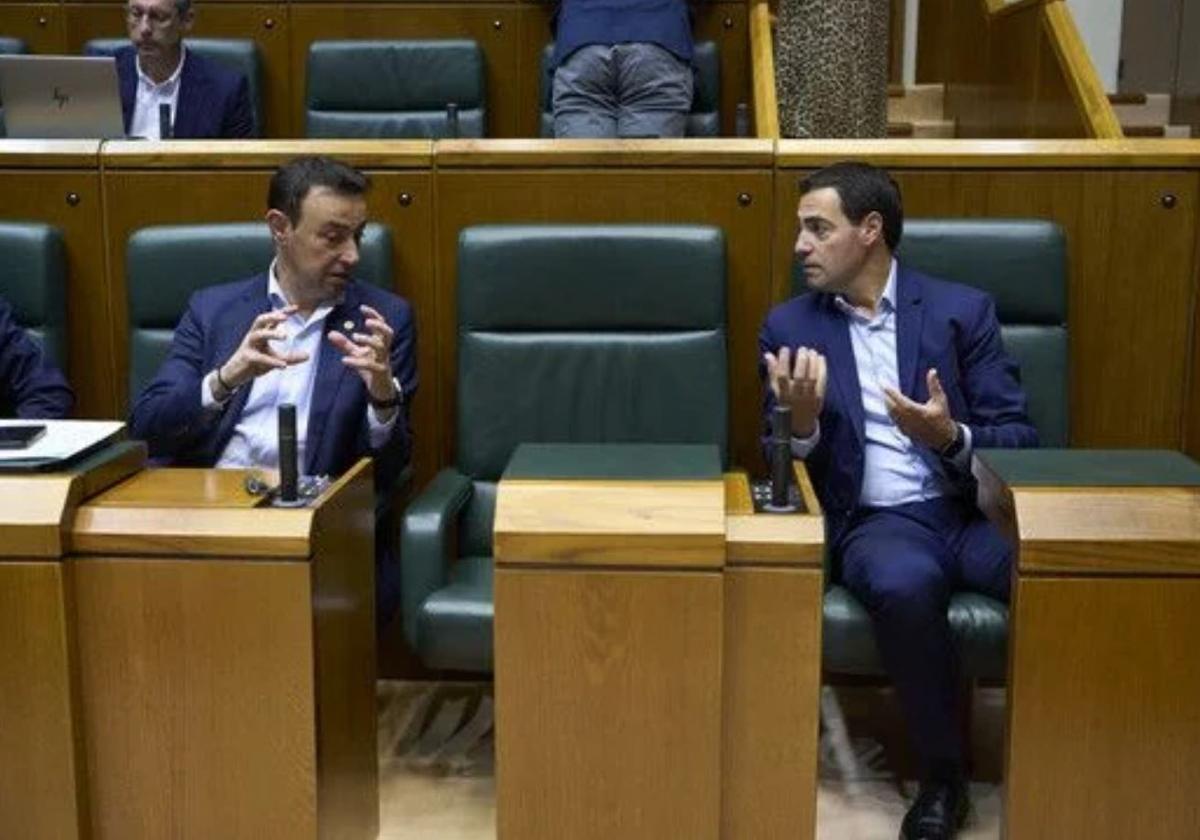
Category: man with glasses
[167,91]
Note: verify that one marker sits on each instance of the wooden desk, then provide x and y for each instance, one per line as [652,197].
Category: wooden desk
[42,775]
[1104,656]
[657,659]
[227,659]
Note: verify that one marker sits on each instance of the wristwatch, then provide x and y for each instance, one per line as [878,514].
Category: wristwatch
[393,402]
[950,451]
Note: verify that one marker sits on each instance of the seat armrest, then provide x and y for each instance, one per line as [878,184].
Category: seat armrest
[425,541]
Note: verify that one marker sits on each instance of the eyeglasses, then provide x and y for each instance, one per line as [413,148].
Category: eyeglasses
[155,17]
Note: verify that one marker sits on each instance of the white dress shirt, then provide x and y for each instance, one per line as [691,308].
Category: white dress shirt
[894,473]
[150,95]
[255,440]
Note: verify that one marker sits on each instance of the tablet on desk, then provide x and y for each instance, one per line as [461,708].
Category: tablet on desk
[20,437]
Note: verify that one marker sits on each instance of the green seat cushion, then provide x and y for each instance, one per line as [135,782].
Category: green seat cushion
[1093,467]
[394,88]
[33,279]
[978,625]
[454,626]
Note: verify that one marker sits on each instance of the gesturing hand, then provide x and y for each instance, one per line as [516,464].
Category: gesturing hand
[368,353]
[928,423]
[255,355]
[799,385]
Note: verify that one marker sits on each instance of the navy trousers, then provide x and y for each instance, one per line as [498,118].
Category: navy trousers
[903,563]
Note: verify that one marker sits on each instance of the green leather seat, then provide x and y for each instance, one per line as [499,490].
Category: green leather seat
[1022,264]
[9,46]
[703,121]
[394,89]
[33,279]
[165,265]
[566,333]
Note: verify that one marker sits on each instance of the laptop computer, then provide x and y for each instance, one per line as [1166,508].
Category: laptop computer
[61,97]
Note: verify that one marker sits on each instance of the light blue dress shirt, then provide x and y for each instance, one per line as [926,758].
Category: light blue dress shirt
[255,440]
[894,473]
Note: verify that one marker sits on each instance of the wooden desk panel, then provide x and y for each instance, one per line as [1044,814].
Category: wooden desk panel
[619,670]
[39,25]
[1103,719]
[493,25]
[70,199]
[622,195]
[43,779]
[228,193]
[264,23]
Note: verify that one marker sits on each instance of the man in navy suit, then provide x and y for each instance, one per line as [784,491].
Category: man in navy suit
[623,68]
[893,378]
[30,386]
[202,98]
[304,332]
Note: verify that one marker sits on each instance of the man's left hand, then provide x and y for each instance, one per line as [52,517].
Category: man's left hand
[368,353]
[928,423]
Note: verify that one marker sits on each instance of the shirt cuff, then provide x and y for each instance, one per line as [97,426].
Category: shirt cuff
[379,430]
[803,447]
[962,461]
[208,393]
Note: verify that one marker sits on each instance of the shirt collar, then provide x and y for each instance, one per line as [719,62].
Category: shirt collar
[280,300]
[887,301]
[168,85]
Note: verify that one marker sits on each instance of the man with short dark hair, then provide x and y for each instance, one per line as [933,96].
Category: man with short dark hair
[31,387]
[893,378]
[622,68]
[203,99]
[305,332]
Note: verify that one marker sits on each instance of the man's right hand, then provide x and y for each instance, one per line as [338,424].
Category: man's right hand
[254,355]
[799,383]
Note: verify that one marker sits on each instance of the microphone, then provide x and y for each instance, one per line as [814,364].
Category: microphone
[164,121]
[781,460]
[289,468]
[451,119]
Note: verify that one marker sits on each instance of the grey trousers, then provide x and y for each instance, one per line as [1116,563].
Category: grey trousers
[624,90]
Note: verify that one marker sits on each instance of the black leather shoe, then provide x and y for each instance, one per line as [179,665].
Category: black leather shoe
[938,813]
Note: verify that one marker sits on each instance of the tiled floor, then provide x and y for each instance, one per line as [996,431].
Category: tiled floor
[437,780]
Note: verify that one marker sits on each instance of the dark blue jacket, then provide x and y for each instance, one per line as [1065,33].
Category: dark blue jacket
[214,102]
[942,325]
[663,22]
[169,417]
[30,387]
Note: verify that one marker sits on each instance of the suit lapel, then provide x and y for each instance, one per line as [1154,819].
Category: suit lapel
[127,75]
[191,99]
[909,317]
[841,368]
[331,376]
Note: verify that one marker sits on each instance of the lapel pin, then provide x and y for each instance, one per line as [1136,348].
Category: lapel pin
[348,326]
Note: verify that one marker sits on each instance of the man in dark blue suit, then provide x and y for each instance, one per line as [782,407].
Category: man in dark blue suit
[203,99]
[304,332]
[623,68]
[893,378]
[30,386]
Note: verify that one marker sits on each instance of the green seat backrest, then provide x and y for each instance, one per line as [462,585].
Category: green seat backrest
[165,265]
[1022,264]
[33,278]
[570,333]
[238,54]
[9,46]
[394,89]
[703,121]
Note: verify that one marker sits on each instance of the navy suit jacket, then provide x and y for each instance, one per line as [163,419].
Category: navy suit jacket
[214,102]
[169,417]
[577,23]
[942,325]
[30,387]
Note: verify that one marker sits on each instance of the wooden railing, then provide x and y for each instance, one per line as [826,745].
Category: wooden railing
[1017,69]
[762,69]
